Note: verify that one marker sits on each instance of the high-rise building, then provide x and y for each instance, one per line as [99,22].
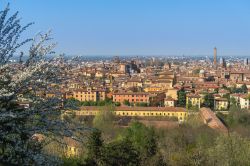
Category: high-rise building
[215,56]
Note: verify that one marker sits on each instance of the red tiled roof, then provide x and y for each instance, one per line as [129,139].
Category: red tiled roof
[123,108]
[221,99]
[193,95]
[169,99]
[131,93]
[212,120]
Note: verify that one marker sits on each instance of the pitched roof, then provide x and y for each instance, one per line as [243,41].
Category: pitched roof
[212,120]
[123,108]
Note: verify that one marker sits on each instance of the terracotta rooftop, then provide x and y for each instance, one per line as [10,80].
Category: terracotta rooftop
[221,99]
[212,120]
[71,142]
[131,93]
[169,99]
[123,108]
[192,95]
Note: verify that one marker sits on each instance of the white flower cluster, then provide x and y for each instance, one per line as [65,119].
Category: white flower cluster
[5,93]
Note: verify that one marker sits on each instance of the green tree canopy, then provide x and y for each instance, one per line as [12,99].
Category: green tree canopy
[143,138]
[181,98]
[209,101]
[94,148]
[120,153]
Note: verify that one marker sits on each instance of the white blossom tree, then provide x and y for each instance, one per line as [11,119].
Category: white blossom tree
[21,81]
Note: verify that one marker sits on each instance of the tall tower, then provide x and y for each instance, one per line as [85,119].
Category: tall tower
[246,61]
[215,56]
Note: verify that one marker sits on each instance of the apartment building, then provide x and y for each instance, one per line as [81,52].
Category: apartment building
[194,100]
[135,97]
[244,101]
[89,94]
[169,102]
[221,104]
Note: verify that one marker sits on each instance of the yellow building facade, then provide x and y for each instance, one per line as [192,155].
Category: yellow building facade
[172,93]
[180,113]
[72,147]
[89,95]
[153,89]
[194,100]
[221,104]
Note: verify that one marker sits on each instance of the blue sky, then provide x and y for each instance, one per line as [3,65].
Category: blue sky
[141,27]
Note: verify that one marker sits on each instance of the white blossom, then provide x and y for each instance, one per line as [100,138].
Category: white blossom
[21,81]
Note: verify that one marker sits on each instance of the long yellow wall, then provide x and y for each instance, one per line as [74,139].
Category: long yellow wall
[181,115]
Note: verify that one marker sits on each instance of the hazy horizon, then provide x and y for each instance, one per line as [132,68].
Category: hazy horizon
[142,27]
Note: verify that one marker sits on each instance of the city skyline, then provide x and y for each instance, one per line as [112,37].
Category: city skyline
[124,82]
[141,28]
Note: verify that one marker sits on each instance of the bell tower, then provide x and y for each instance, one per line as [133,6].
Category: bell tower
[215,56]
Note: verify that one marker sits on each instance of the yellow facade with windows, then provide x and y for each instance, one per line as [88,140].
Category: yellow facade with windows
[72,147]
[70,151]
[89,95]
[179,113]
[172,93]
[221,104]
[194,100]
[153,89]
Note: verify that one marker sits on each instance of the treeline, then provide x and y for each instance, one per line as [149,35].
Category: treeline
[141,104]
[237,120]
[136,145]
[242,89]
[192,143]
[74,103]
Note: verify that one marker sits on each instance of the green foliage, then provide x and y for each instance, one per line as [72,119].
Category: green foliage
[181,98]
[244,119]
[189,105]
[18,125]
[126,150]
[127,103]
[75,104]
[105,102]
[238,118]
[142,104]
[194,121]
[104,121]
[114,153]
[104,118]
[70,161]
[143,138]
[242,89]
[227,96]
[233,102]
[94,147]
[192,143]
[230,150]
[117,104]
[209,101]
[72,103]
[187,144]
[120,153]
